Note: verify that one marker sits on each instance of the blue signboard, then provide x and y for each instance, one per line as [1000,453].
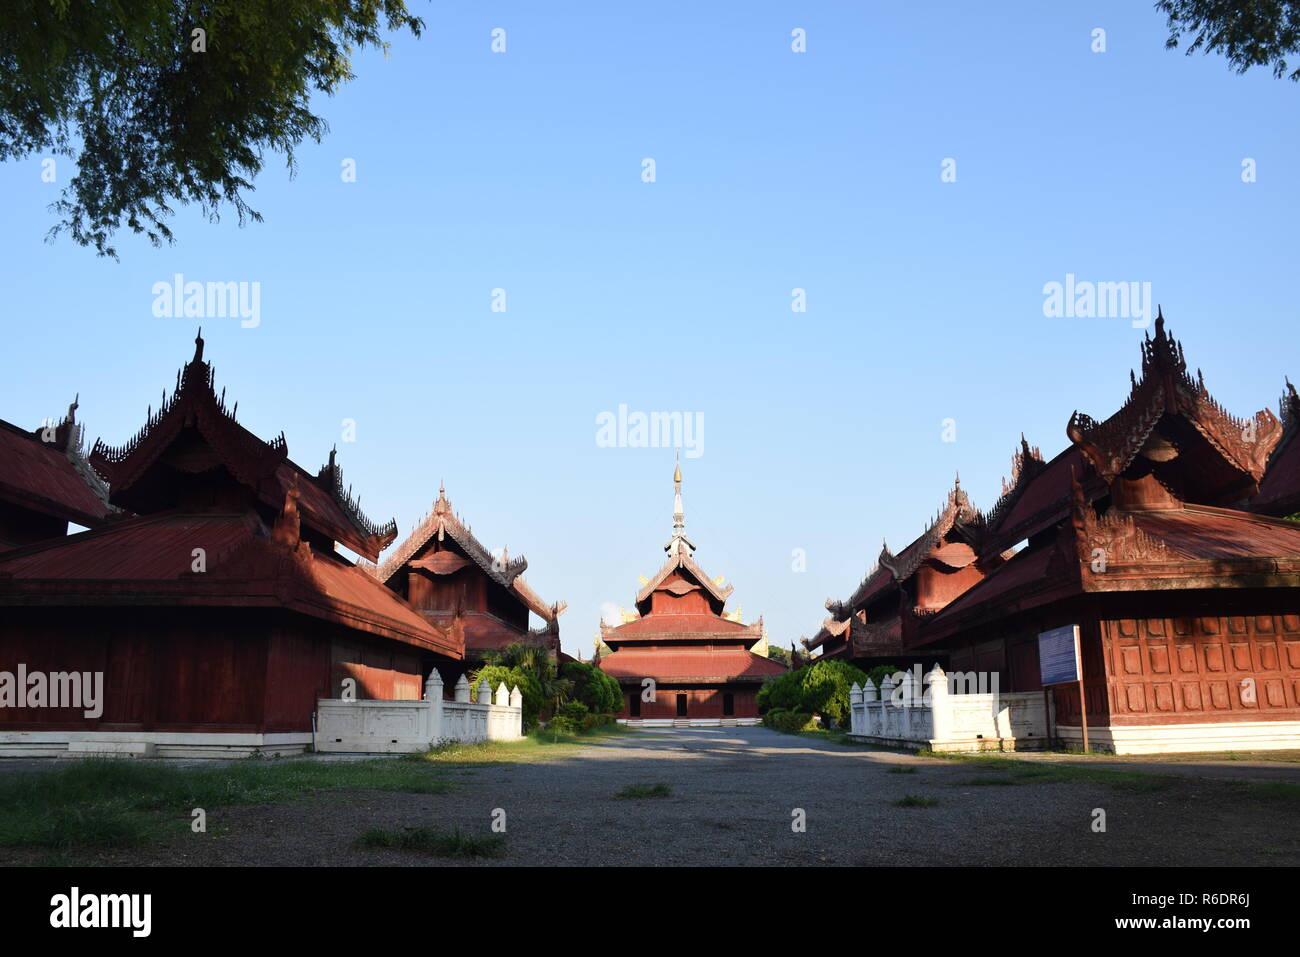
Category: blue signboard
[1057,655]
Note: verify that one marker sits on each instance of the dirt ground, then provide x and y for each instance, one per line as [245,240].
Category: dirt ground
[737,796]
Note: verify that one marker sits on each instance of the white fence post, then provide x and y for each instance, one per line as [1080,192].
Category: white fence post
[886,695]
[502,696]
[940,706]
[484,692]
[433,695]
[869,698]
[855,709]
[462,689]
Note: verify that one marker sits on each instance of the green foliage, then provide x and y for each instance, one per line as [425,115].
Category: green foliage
[644,791]
[562,725]
[117,802]
[526,682]
[536,661]
[1247,34]
[595,689]
[777,653]
[820,688]
[916,800]
[575,711]
[791,722]
[826,689]
[784,691]
[149,120]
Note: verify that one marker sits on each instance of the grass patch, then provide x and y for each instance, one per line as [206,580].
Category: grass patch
[122,802]
[429,840]
[901,771]
[644,791]
[1036,772]
[916,800]
[537,745]
[1284,791]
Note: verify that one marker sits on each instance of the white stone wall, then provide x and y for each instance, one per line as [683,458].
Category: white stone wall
[912,716]
[407,726]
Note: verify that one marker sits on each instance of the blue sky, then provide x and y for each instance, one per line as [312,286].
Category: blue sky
[774,170]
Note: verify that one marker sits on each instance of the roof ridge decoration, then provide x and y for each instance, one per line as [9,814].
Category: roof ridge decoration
[1113,538]
[69,439]
[441,521]
[956,510]
[1289,407]
[330,478]
[1166,386]
[1026,464]
[193,402]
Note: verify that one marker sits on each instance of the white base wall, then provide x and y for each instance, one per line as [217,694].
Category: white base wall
[1186,738]
[691,722]
[149,744]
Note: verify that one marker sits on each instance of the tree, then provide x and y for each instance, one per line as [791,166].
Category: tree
[536,661]
[1257,33]
[163,101]
[777,653]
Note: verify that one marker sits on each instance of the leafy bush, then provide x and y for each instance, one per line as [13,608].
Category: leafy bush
[784,691]
[826,689]
[574,711]
[527,683]
[591,686]
[562,725]
[789,721]
[820,688]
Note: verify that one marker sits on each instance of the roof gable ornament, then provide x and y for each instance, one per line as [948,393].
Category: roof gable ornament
[1165,387]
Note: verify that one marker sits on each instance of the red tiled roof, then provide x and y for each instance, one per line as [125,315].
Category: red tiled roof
[693,626]
[36,475]
[150,558]
[1201,533]
[1046,496]
[692,665]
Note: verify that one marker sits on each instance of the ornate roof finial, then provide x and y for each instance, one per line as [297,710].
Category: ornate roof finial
[198,346]
[679,543]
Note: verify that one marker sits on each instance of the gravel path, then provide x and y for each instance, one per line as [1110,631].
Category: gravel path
[734,793]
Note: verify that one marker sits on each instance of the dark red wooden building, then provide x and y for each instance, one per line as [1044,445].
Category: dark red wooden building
[216,605]
[698,659]
[447,574]
[1161,533]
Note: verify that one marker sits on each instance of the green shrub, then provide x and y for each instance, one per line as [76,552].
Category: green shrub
[591,686]
[562,725]
[790,722]
[526,682]
[574,711]
[820,688]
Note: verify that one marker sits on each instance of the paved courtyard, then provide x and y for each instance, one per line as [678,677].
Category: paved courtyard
[735,793]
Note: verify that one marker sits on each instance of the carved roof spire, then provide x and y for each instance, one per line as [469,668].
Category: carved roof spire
[198,346]
[679,542]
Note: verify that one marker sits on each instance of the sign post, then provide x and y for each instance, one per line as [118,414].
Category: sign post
[1060,661]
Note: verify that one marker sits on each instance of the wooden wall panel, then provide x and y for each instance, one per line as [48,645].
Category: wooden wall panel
[1184,670]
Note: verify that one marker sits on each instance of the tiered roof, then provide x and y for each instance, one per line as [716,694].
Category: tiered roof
[677,638]
[1145,488]
[262,466]
[264,541]
[442,522]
